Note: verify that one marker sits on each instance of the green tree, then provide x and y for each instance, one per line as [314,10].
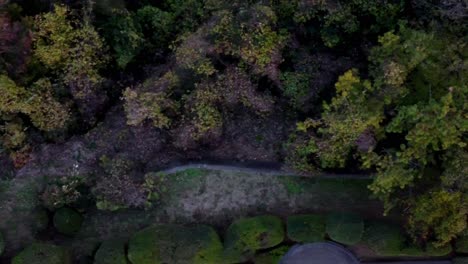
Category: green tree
[45,112]
[417,92]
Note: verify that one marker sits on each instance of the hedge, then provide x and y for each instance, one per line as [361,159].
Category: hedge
[111,252]
[306,228]
[461,244]
[271,257]
[41,253]
[166,243]
[345,228]
[247,235]
[387,240]
[384,239]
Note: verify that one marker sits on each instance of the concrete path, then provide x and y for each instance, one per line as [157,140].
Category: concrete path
[332,253]
[261,170]
[413,262]
[319,253]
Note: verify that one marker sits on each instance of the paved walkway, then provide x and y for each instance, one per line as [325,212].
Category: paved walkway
[332,253]
[414,262]
[319,253]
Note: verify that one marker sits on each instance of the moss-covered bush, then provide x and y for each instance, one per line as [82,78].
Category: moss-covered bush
[345,228]
[111,252]
[461,244]
[384,239]
[40,253]
[67,221]
[175,244]
[247,235]
[306,228]
[271,257]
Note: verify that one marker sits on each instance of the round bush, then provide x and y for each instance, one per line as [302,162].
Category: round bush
[247,235]
[345,228]
[175,244]
[461,244]
[111,252]
[40,253]
[384,239]
[306,228]
[67,221]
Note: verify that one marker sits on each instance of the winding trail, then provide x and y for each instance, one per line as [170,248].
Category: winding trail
[260,170]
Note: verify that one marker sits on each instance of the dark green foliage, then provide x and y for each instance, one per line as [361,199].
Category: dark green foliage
[41,220]
[461,244]
[111,252]
[460,260]
[341,20]
[187,14]
[247,235]
[388,240]
[67,221]
[384,239]
[156,25]
[430,251]
[345,228]
[421,82]
[271,257]
[108,6]
[295,86]
[124,36]
[306,228]
[39,253]
[2,244]
[175,244]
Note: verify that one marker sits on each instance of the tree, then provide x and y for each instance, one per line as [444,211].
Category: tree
[75,52]
[416,93]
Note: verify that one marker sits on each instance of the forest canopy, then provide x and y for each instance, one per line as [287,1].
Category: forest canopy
[357,86]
